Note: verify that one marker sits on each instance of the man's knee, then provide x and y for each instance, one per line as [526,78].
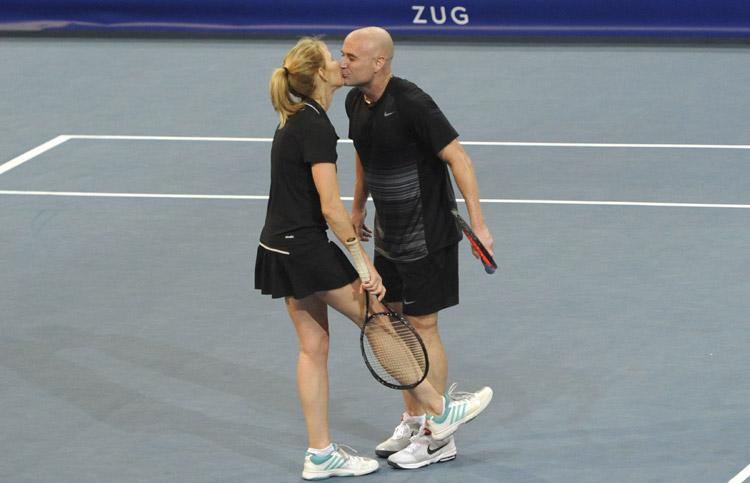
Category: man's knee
[424,323]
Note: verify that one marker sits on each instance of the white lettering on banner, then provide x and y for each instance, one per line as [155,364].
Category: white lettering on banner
[460,18]
[459,15]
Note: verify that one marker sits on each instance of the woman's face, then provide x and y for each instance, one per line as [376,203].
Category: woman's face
[333,70]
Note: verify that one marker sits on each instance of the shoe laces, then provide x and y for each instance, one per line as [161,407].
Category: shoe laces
[343,453]
[454,395]
[424,432]
[402,429]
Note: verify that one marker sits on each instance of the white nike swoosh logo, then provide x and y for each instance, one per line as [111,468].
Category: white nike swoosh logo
[409,302]
[388,113]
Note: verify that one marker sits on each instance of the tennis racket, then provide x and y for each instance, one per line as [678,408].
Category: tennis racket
[489,263]
[391,348]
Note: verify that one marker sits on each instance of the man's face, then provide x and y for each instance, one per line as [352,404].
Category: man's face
[357,61]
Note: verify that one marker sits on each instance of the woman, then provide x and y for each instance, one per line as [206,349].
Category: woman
[296,260]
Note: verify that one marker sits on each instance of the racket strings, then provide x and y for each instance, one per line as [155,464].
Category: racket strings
[394,351]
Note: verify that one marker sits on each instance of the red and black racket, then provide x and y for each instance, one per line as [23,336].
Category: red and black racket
[489,263]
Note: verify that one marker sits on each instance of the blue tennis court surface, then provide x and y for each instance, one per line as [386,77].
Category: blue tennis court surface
[133,347]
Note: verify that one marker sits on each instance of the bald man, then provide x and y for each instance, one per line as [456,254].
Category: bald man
[405,148]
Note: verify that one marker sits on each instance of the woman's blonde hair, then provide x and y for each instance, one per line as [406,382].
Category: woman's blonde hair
[297,76]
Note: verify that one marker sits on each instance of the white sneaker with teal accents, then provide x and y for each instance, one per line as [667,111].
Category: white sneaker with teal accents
[460,408]
[338,463]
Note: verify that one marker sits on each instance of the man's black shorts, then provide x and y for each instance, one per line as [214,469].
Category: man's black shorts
[424,286]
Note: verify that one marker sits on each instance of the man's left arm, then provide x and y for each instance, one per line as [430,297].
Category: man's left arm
[462,168]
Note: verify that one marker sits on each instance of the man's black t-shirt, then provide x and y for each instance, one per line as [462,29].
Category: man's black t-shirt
[397,139]
[293,215]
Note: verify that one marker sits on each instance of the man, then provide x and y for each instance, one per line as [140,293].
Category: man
[404,149]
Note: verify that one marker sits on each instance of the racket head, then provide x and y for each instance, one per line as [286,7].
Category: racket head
[393,351]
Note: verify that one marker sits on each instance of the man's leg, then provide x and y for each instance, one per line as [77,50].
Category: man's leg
[427,327]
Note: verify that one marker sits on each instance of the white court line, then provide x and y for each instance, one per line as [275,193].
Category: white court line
[87,194]
[53,143]
[467,143]
[607,145]
[33,153]
[618,203]
[169,138]
[741,476]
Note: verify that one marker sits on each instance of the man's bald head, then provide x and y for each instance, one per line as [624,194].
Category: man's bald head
[374,41]
[380,41]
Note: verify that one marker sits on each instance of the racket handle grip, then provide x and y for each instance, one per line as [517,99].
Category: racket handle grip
[359,260]
[489,269]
